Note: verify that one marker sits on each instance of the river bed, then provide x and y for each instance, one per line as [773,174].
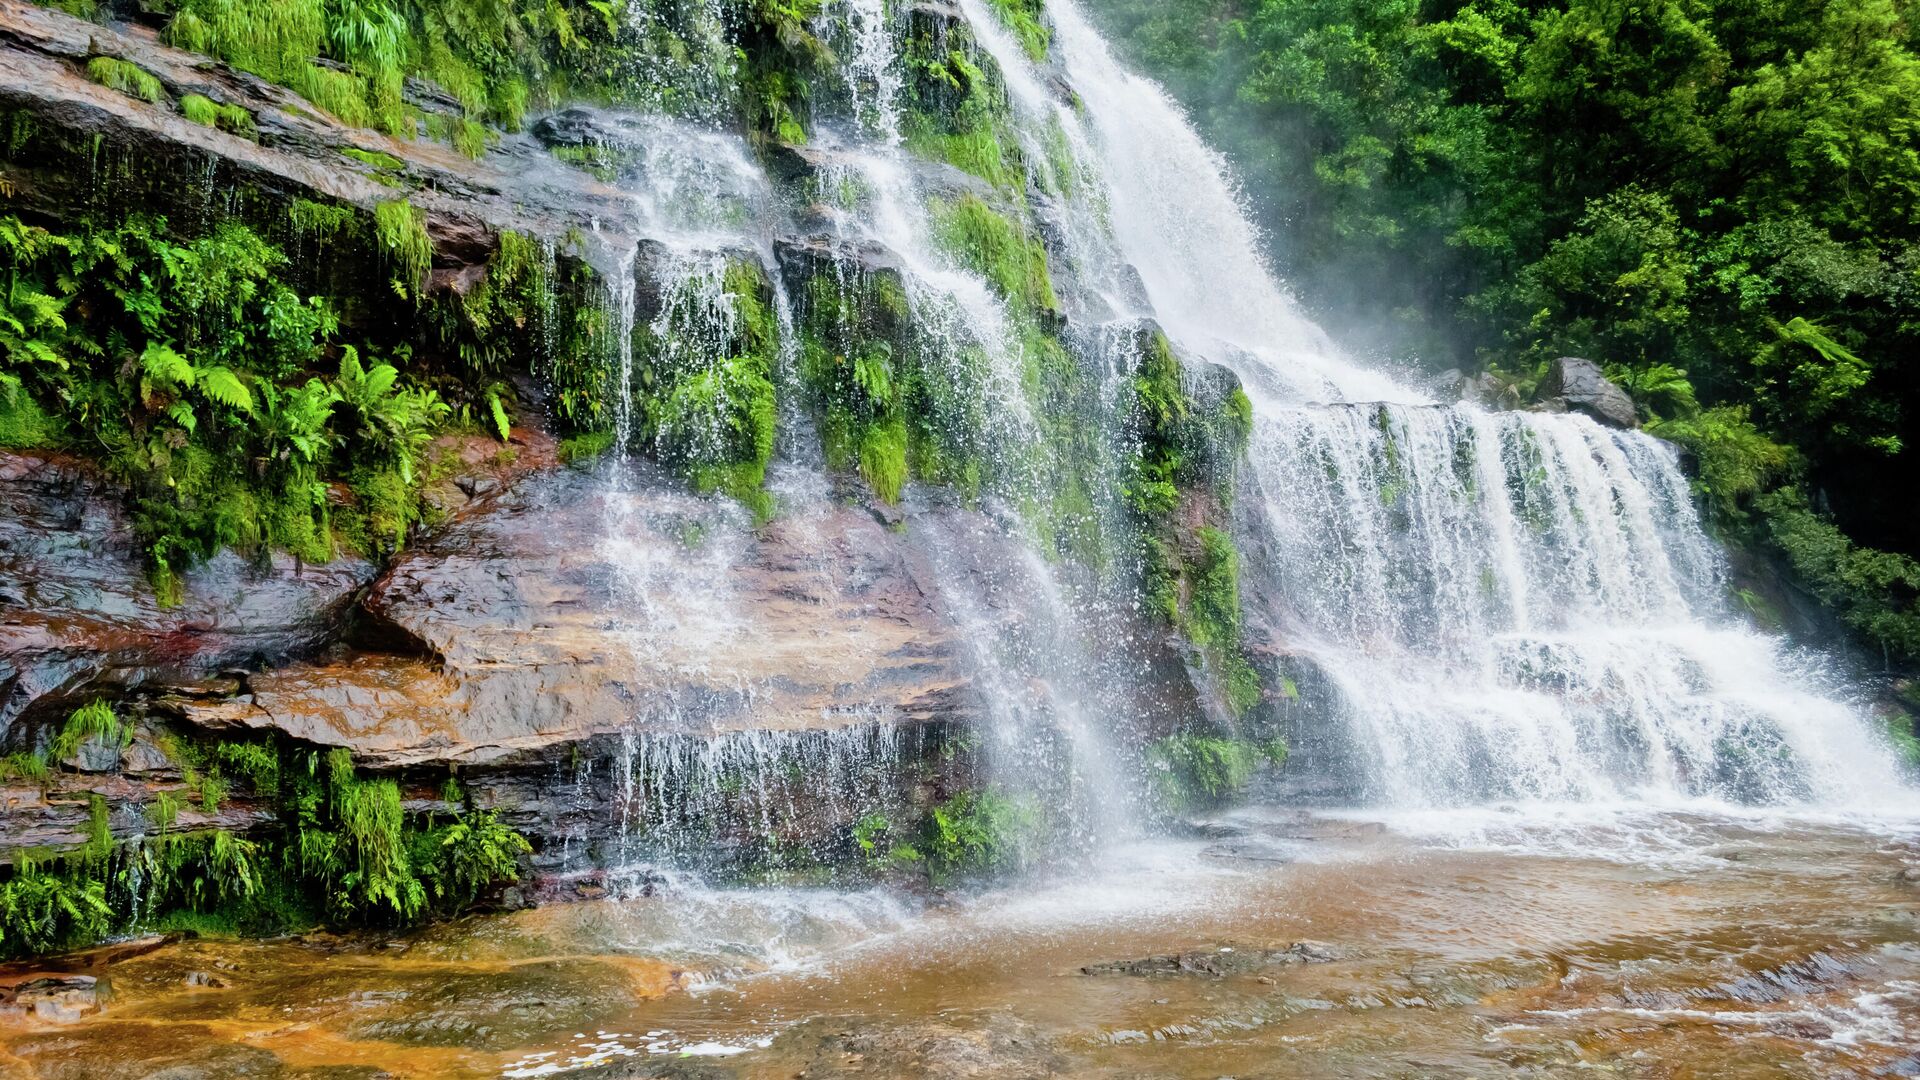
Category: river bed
[1528,942]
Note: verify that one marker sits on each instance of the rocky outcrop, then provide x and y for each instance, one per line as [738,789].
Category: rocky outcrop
[570,607]
[1576,385]
[299,151]
[79,618]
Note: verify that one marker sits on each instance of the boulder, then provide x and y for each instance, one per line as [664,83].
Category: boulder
[1576,385]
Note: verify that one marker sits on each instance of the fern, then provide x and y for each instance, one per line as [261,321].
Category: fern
[95,720]
[501,427]
[223,386]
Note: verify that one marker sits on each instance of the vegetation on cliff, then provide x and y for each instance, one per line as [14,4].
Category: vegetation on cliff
[338,848]
[1716,199]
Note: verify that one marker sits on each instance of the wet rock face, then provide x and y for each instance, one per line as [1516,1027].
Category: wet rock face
[1576,385]
[567,608]
[53,999]
[993,1047]
[78,616]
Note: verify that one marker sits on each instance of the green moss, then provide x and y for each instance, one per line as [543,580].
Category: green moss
[378,160]
[207,113]
[1193,770]
[585,447]
[883,457]
[129,79]
[1026,18]
[321,221]
[24,425]
[709,404]
[958,110]
[470,138]
[985,241]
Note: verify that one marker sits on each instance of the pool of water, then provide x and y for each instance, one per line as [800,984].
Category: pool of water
[1531,941]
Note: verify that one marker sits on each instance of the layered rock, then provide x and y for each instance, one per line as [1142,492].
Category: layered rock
[299,151]
[79,618]
[567,608]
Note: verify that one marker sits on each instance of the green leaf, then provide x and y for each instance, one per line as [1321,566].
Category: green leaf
[500,425]
[166,367]
[223,386]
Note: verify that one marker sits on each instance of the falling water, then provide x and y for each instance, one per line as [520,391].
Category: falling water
[1505,606]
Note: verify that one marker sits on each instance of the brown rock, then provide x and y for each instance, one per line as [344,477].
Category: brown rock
[78,616]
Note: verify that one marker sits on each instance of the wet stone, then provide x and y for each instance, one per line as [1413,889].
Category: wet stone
[1217,963]
[57,998]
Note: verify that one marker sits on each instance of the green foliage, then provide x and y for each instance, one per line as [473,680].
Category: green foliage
[163,812]
[42,912]
[709,408]
[1212,618]
[205,112]
[1193,770]
[1906,741]
[980,832]
[258,763]
[94,721]
[401,229]
[186,371]
[470,855]
[371,876]
[130,79]
[321,221]
[28,766]
[342,849]
[392,422]
[585,447]
[1736,462]
[1875,592]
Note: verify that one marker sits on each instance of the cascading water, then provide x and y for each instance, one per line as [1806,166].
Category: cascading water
[1507,606]
[1499,606]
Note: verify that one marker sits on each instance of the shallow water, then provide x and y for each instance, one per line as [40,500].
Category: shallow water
[1543,943]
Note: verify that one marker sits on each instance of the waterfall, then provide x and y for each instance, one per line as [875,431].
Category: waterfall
[1510,606]
[1492,606]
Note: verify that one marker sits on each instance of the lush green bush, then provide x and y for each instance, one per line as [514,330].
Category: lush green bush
[341,850]
[980,832]
[184,363]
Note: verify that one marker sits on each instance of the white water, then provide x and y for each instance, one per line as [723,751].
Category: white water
[1512,606]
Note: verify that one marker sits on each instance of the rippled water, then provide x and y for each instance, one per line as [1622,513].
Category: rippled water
[1465,943]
